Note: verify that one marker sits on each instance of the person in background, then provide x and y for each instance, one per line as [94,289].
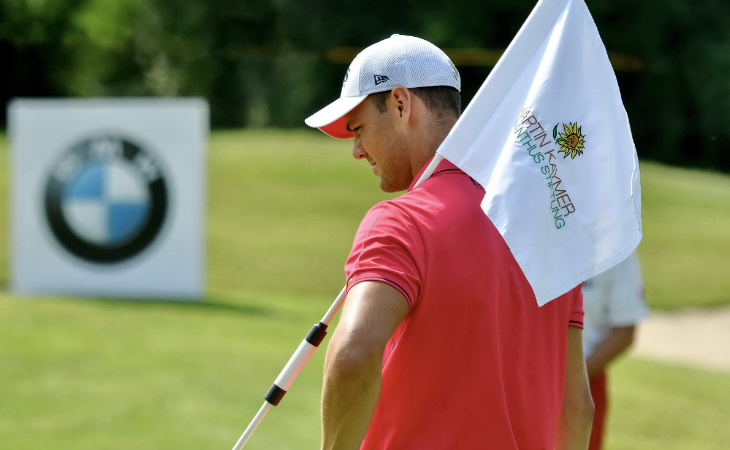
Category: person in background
[440,343]
[614,304]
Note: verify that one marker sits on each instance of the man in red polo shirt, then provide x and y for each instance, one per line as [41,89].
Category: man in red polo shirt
[441,344]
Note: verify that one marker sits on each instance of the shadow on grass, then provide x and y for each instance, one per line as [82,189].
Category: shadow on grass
[210,303]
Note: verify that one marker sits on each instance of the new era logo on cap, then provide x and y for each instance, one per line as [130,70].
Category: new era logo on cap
[380,79]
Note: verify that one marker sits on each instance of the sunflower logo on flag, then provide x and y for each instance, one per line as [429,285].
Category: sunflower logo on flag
[571,141]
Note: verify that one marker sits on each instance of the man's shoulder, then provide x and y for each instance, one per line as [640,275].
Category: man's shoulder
[402,203]
[387,211]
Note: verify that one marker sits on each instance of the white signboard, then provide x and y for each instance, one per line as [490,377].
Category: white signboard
[108,197]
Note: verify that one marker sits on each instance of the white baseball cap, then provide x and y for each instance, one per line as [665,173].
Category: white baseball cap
[405,61]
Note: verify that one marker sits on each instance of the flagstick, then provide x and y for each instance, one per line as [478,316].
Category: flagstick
[291,370]
[429,170]
[252,426]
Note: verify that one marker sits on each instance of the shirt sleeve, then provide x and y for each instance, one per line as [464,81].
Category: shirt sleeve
[387,248]
[576,316]
[626,302]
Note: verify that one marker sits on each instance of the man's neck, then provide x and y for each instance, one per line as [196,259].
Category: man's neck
[427,149]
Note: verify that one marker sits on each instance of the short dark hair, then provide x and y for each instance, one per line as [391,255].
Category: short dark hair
[438,99]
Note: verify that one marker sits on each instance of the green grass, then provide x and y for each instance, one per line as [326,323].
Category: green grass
[663,407]
[283,208]
[91,374]
[686,241]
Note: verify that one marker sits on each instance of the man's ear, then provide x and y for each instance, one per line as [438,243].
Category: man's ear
[402,102]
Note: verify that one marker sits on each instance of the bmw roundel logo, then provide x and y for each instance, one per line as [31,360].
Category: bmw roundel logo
[106,199]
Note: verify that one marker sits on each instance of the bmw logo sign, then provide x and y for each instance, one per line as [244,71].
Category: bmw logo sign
[106,199]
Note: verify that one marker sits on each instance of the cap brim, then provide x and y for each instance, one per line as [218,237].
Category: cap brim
[330,119]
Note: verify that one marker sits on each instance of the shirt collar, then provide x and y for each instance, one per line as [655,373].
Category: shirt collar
[445,164]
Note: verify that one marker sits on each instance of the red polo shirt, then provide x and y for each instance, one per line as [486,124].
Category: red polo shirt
[476,363]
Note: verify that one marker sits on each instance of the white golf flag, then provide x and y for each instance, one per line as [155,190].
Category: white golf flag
[548,137]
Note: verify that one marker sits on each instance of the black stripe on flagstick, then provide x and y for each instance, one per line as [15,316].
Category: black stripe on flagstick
[316,334]
[275,394]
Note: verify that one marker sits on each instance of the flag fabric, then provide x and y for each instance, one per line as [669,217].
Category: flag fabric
[548,137]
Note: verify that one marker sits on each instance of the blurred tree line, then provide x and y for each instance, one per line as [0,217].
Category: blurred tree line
[273,62]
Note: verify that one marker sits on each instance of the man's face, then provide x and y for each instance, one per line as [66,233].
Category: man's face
[378,139]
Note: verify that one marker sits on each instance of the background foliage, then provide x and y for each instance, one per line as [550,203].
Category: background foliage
[273,62]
